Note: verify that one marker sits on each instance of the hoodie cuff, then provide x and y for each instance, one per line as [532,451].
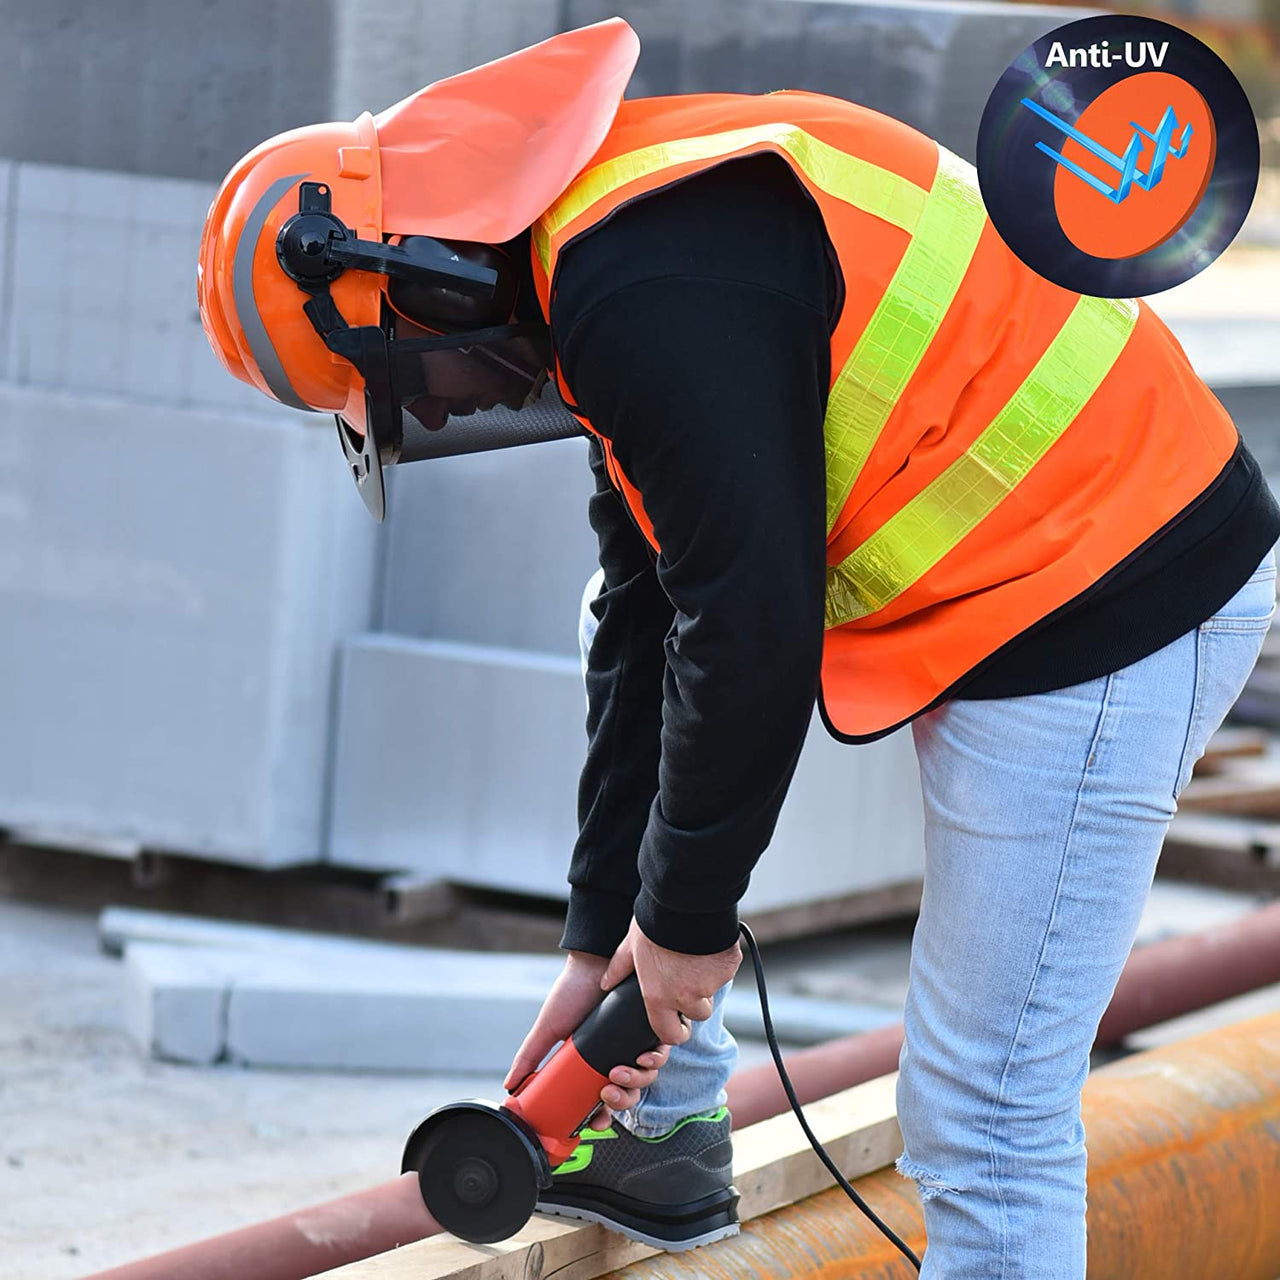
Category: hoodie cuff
[693,933]
[596,921]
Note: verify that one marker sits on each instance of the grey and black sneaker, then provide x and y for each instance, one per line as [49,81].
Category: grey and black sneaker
[672,1192]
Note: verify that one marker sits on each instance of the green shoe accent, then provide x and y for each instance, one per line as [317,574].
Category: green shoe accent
[583,1152]
[714,1118]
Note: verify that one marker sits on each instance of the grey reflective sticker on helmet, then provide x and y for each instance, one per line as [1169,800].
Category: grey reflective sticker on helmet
[255,331]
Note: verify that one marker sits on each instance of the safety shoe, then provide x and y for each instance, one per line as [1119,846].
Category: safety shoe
[672,1192]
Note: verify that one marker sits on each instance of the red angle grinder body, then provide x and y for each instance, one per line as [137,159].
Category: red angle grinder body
[481,1165]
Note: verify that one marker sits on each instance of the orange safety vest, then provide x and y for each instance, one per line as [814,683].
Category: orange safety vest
[995,444]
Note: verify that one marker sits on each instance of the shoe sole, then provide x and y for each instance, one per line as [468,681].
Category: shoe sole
[722,1232]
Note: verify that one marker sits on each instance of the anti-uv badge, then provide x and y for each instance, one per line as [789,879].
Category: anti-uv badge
[1118,156]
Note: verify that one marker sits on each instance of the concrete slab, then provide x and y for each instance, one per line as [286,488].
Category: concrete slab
[172,587]
[189,1152]
[381,1020]
[1176,907]
[801,1019]
[121,926]
[203,990]
[461,762]
[333,1004]
[137,332]
[175,1003]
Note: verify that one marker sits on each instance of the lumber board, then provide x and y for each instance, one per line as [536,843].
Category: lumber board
[863,906]
[1223,849]
[1230,745]
[773,1166]
[1251,789]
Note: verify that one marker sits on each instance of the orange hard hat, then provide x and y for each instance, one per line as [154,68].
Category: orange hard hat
[252,312]
[475,157]
[311,234]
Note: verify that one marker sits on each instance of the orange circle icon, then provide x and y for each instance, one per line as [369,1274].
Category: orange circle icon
[1146,116]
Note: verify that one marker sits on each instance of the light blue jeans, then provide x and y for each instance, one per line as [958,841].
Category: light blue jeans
[1044,817]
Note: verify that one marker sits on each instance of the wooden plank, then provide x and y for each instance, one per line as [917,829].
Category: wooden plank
[1223,849]
[773,1166]
[1246,789]
[864,906]
[1229,745]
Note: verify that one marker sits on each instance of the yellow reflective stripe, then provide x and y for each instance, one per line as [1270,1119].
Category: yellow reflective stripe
[917,536]
[866,186]
[903,326]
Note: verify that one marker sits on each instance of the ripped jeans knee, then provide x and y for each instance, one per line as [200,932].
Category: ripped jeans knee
[929,1184]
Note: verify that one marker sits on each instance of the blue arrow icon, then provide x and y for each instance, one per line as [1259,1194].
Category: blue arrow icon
[1126,165]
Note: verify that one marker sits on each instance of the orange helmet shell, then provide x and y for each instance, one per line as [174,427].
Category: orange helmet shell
[251,311]
[477,156]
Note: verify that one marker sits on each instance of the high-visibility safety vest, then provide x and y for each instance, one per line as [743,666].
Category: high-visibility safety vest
[995,444]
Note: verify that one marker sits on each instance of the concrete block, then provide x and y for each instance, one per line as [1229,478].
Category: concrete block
[491,548]
[459,762]
[136,332]
[373,1019]
[1230,351]
[800,1019]
[7,182]
[172,587]
[385,50]
[146,87]
[333,1004]
[120,927]
[175,1003]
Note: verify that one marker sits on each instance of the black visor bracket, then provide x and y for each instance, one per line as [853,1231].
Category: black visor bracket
[314,247]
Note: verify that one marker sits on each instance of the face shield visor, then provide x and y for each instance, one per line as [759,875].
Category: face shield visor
[446,371]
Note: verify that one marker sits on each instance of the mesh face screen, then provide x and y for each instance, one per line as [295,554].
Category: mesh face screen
[545,419]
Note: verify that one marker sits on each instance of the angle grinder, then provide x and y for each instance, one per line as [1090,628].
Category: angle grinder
[480,1166]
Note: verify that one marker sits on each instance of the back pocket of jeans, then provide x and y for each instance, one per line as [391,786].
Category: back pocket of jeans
[1252,607]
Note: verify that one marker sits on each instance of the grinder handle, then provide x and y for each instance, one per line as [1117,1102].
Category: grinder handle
[617,1030]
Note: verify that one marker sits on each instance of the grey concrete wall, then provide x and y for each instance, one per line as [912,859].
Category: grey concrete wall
[930,64]
[178,558]
[174,87]
[461,762]
[98,287]
[491,549]
[173,587]
[384,50]
[183,89]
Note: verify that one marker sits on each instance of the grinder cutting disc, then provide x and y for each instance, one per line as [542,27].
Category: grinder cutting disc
[478,1173]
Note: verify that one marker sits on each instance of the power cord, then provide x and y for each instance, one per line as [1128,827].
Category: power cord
[789,1090]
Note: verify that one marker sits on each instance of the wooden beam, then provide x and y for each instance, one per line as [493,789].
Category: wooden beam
[1247,789]
[1230,745]
[773,1166]
[1223,849]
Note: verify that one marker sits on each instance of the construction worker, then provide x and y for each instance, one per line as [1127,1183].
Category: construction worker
[846,447]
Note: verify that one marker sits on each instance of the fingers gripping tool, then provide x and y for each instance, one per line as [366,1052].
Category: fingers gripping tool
[480,1166]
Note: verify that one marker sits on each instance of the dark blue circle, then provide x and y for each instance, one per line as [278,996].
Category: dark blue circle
[1018,181]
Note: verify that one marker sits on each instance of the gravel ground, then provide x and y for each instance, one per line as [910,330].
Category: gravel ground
[105,1156]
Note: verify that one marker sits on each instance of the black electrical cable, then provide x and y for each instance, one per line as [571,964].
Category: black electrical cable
[818,1148]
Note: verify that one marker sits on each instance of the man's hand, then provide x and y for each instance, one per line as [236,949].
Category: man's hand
[672,983]
[575,993]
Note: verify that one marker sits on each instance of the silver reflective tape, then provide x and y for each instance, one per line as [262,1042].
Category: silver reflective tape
[255,332]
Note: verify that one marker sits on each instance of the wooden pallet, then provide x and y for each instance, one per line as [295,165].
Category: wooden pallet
[364,904]
[1227,829]
[773,1166]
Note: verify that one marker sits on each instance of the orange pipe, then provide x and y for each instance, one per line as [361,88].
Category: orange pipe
[1160,981]
[304,1243]
[1169,977]
[1184,1181]
[755,1093]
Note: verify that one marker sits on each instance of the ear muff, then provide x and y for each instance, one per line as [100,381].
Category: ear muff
[438,307]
